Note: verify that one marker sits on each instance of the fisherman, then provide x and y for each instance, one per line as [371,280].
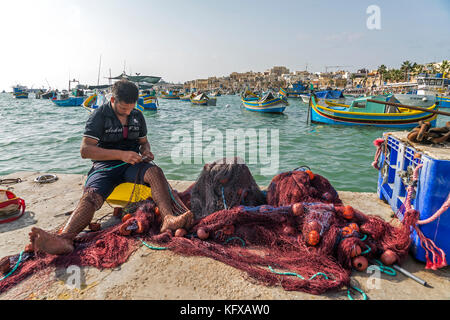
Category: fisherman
[115,139]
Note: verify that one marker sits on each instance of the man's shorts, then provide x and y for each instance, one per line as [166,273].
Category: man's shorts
[102,179]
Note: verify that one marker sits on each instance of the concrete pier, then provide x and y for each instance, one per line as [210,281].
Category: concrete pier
[164,275]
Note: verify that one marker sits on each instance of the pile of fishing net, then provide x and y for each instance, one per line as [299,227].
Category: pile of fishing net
[298,233]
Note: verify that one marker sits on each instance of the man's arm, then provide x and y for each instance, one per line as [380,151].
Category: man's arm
[145,149]
[90,150]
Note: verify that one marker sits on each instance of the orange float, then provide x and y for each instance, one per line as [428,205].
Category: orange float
[348,213]
[388,257]
[180,233]
[310,174]
[298,209]
[313,238]
[347,231]
[126,217]
[202,234]
[360,263]
[354,227]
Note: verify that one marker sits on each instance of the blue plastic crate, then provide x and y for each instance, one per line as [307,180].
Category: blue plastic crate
[432,190]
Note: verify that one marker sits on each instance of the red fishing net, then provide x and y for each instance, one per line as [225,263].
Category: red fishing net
[298,235]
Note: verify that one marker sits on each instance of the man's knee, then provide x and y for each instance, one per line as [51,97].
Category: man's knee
[94,198]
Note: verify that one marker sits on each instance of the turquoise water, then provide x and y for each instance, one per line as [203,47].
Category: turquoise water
[36,135]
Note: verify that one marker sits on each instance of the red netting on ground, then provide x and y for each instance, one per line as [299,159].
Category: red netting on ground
[303,238]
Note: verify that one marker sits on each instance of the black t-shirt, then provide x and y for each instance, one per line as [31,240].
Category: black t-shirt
[104,126]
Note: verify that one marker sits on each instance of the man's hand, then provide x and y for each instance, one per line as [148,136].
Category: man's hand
[147,156]
[131,157]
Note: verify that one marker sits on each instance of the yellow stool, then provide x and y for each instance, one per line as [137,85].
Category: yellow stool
[122,193]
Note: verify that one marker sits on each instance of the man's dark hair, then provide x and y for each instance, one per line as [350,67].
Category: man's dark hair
[125,91]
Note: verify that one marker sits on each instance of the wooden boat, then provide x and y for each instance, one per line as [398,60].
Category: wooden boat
[267,103]
[187,97]
[171,95]
[94,101]
[200,100]
[363,111]
[20,92]
[147,101]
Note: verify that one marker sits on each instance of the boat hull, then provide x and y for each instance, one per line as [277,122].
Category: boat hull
[444,102]
[70,102]
[273,106]
[22,95]
[320,114]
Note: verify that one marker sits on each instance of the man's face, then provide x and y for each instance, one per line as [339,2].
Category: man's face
[122,108]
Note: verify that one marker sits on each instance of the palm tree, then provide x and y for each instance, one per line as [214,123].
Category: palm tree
[382,72]
[417,69]
[445,68]
[406,67]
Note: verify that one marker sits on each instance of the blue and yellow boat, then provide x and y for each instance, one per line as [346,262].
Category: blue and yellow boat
[267,103]
[147,101]
[20,92]
[444,102]
[172,95]
[364,112]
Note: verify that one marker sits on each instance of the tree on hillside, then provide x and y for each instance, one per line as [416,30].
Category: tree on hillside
[445,68]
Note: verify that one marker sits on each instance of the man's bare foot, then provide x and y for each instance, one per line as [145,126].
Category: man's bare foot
[50,243]
[173,223]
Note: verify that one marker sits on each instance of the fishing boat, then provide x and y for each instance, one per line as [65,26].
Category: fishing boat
[435,86]
[66,100]
[298,89]
[336,95]
[147,101]
[368,111]
[267,103]
[20,92]
[187,97]
[171,95]
[202,99]
[94,101]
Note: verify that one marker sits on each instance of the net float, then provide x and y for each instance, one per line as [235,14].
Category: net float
[354,227]
[388,257]
[140,227]
[356,251]
[348,213]
[202,234]
[298,209]
[360,263]
[5,266]
[126,217]
[347,231]
[94,226]
[157,212]
[180,233]
[310,174]
[313,238]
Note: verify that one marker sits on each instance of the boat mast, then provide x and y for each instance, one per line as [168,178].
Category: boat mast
[99,66]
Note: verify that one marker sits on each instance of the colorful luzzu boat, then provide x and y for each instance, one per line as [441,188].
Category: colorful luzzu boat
[200,100]
[147,101]
[94,101]
[366,113]
[267,103]
[171,95]
[444,102]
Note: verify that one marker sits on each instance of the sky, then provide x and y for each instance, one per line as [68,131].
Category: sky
[47,42]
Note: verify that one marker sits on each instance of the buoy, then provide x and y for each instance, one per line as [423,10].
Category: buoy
[298,209]
[360,263]
[313,238]
[388,257]
[354,227]
[346,231]
[127,217]
[202,234]
[348,213]
[310,174]
[180,233]
[157,212]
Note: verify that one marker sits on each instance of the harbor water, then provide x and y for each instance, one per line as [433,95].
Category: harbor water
[36,135]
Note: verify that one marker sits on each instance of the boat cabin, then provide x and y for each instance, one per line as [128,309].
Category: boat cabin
[362,105]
